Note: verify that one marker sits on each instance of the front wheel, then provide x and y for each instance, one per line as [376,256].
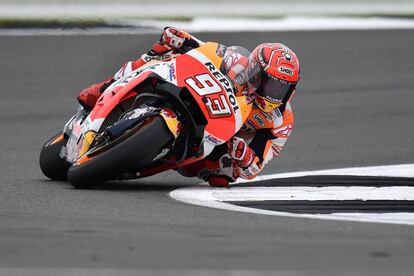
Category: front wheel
[50,162]
[136,151]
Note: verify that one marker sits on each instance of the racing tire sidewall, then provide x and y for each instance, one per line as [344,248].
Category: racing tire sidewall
[50,162]
[138,149]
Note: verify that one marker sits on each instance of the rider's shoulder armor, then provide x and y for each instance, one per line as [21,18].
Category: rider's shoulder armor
[234,65]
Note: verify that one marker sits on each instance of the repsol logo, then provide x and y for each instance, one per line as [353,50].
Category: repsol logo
[226,84]
[286,71]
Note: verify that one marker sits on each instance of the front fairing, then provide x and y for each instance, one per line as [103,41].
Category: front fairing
[215,94]
[222,124]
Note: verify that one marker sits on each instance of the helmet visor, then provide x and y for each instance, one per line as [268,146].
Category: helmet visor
[274,89]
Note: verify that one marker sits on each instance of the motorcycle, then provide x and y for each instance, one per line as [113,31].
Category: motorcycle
[162,116]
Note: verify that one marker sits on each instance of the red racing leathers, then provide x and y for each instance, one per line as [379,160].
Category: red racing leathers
[260,139]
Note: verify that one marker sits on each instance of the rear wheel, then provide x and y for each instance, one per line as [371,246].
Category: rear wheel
[137,150]
[50,163]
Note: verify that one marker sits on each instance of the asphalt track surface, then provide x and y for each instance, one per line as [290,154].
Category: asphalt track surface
[354,107]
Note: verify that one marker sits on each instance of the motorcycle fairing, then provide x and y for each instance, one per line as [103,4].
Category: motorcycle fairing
[224,111]
[214,93]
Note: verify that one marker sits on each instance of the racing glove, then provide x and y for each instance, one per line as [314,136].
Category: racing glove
[240,151]
[248,163]
[89,96]
[166,48]
[174,38]
[179,40]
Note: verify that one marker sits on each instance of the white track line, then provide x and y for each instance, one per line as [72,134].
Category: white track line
[215,197]
[315,193]
[403,170]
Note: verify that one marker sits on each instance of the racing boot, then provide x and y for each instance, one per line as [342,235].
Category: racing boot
[89,96]
[225,173]
[218,181]
[206,170]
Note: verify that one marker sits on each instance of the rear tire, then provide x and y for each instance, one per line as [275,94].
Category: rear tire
[50,163]
[138,150]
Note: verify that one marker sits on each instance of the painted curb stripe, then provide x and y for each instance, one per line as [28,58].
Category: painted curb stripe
[220,198]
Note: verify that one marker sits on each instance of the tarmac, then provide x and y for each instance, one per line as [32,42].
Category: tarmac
[354,107]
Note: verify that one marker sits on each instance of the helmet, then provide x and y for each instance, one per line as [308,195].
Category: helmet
[272,74]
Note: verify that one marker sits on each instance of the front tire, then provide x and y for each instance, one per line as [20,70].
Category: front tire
[137,150]
[50,162]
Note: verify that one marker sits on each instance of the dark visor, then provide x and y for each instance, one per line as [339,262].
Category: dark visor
[274,89]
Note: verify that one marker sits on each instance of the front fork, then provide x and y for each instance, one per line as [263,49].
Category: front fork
[80,115]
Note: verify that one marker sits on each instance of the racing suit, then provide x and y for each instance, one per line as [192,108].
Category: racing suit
[263,135]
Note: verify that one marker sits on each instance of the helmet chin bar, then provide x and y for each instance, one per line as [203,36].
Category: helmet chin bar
[267,105]
[264,104]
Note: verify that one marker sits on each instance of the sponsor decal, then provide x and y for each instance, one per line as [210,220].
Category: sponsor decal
[172,122]
[128,78]
[271,100]
[168,113]
[285,70]
[149,58]
[251,123]
[152,67]
[283,132]
[226,84]
[268,116]
[173,76]
[213,139]
[276,150]
[251,170]
[260,56]
[259,119]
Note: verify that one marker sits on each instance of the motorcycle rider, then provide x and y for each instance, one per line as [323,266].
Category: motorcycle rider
[268,77]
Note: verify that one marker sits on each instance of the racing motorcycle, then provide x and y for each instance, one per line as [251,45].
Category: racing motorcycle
[162,116]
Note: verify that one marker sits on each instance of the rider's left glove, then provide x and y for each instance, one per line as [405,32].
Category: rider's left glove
[174,38]
[246,159]
[240,151]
